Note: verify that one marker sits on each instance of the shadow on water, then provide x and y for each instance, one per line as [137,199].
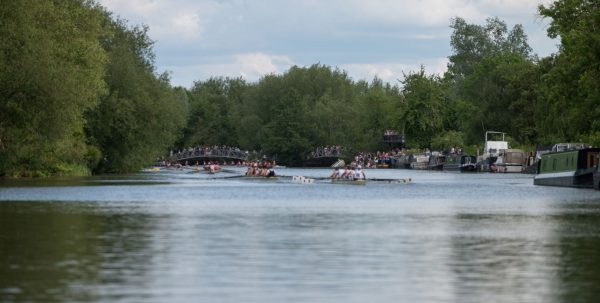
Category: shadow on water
[85,181]
[56,251]
[579,254]
[528,258]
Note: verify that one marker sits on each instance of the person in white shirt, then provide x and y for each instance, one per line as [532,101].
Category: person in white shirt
[341,173]
[359,174]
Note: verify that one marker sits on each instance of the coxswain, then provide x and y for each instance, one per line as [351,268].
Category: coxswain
[270,172]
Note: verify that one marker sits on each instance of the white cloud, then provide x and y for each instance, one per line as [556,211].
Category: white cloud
[425,37]
[511,7]
[414,13]
[391,72]
[197,39]
[168,20]
[135,7]
[428,13]
[255,65]
[250,66]
[188,25]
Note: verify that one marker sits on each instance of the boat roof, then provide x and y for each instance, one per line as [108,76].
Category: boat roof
[494,146]
[581,150]
[559,147]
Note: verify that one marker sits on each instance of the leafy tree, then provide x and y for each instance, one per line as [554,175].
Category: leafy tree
[51,72]
[142,115]
[448,139]
[216,111]
[471,43]
[503,87]
[570,85]
[424,97]
[79,90]
[491,80]
[379,108]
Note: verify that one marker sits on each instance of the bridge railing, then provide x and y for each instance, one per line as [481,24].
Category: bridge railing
[327,151]
[211,153]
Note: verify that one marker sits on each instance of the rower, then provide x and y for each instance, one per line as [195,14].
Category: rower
[341,173]
[347,173]
[335,174]
[359,174]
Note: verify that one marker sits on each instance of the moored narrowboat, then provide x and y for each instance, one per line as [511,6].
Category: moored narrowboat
[436,161]
[419,161]
[463,163]
[568,167]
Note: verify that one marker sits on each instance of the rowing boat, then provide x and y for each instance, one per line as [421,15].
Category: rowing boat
[303,180]
[393,181]
[275,178]
[348,181]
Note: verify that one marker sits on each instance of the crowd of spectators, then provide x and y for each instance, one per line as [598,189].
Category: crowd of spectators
[373,159]
[327,151]
[370,160]
[455,150]
[210,151]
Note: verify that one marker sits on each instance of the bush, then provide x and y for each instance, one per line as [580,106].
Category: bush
[447,140]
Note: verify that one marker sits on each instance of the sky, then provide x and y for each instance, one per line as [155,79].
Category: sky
[199,39]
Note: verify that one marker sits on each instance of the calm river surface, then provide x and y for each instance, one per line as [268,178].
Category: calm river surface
[183,237]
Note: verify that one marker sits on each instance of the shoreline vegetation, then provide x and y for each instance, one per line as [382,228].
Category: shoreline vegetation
[80,95]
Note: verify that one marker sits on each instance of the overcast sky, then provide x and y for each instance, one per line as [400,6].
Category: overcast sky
[199,39]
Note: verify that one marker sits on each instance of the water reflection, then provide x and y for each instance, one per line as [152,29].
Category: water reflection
[64,251]
[579,251]
[510,258]
[180,240]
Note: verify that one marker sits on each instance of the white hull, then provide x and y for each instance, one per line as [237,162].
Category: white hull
[510,168]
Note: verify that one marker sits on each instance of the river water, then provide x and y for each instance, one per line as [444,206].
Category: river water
[177,236]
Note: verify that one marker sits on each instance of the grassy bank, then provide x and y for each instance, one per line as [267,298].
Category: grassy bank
[58,170]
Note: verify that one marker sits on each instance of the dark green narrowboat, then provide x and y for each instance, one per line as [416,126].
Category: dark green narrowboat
[568,167]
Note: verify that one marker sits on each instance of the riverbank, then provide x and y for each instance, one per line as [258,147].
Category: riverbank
[59,170]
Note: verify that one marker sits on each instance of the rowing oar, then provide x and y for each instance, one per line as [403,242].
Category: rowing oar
[195,171]
[391,180]
[243,176]
[203,171]
[368,179]
[228,177]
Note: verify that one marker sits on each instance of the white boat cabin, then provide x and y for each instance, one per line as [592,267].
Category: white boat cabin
[492,148]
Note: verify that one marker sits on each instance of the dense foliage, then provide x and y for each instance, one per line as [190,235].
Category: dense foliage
[79,93]
[287,116]
[494,82]
[570,84]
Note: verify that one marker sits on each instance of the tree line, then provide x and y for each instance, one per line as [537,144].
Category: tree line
[79,93]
